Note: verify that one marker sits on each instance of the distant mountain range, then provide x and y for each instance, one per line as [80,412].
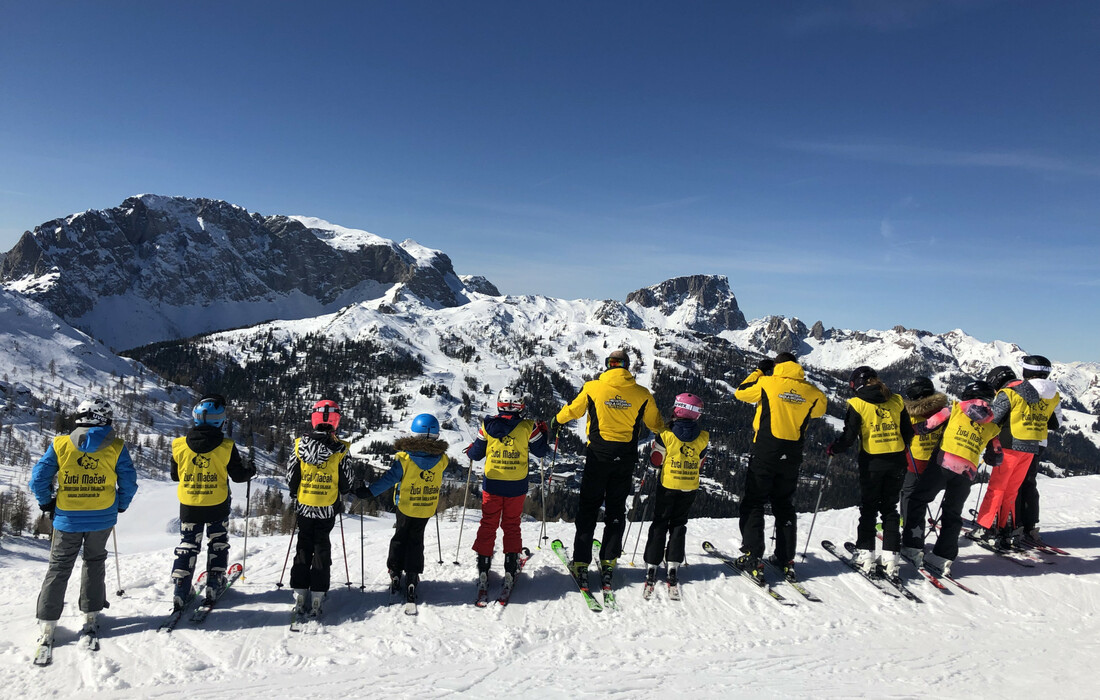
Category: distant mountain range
[163,269]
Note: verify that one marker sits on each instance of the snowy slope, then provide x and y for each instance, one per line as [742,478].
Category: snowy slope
[1030,631]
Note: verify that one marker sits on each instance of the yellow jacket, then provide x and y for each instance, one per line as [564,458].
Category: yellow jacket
[785,402]
[617,407]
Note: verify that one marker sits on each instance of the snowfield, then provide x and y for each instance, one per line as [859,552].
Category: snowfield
[1028,633]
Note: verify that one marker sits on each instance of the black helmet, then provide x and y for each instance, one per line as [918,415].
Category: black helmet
[1035,366]
[978,390]
[999,376]
[920,388]
[860,376]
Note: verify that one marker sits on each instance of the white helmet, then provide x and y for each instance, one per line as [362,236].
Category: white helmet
[94,412]
[510,401]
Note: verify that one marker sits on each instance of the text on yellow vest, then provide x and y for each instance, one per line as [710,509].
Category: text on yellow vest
[86,480]
[418,492]
[966,438]
[1029,421]
[506,457]
[880,428]
[320,484]
[204,476]
[680,471]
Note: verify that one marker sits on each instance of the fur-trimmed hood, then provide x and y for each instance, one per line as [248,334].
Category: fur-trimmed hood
[426,445]
[924,408]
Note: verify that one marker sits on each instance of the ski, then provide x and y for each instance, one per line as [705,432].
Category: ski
[831,549]
[1044,547]
[173,619]
[608,593]
[647,590]
[559,549]
[1012,555]
[732,563]
[674,591]
[928,575]
[231,575]
[302,621]
[507,587]
[797,585]
[896,582]
[932,568]
[43,654]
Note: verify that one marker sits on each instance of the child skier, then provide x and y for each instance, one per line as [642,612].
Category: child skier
[504,441]
[317,474]
[203,462]
[877,418]
[922,401]
[417,470]
[678,452]
[96,481]
[952,469]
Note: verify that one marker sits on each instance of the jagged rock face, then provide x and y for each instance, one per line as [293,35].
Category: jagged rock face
[477,283]
[706,302]
[180,261]
[613,313]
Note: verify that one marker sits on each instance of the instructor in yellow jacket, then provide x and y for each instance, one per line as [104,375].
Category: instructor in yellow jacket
[618,410]
[785,403]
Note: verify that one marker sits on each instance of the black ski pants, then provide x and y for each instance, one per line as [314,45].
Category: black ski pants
[407,545]
[670,516]
[879,491]
[1027,498]
[956,489]
[772,478]
[606,481]
[313,554]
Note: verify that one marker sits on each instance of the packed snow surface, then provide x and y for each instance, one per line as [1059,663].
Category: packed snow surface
[1029,630]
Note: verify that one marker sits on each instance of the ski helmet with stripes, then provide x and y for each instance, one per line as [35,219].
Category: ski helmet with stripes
[210,410]
[687,406]
[1035,367]
[426,425]
[92,412]
[325,416]
[510,401]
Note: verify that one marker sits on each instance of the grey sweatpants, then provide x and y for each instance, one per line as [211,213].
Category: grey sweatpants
[93,588]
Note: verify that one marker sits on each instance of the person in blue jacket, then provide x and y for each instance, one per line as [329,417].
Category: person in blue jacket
[417,471]
[96,481]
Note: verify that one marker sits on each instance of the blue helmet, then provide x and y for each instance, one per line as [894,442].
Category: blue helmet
[210,410]
[425,424]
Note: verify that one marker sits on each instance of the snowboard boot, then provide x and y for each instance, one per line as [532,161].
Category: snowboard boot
[484,563]
[607,572]
[46,629]
[301,600]
[412,582]
[579,569]
[511,568]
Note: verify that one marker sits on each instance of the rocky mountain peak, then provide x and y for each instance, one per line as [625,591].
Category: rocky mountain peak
[704,303]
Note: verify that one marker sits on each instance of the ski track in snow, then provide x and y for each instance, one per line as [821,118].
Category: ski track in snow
[1028,630]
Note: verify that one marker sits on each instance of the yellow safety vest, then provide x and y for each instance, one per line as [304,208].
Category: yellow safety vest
[880,429]
[204,476]
[320,484]
[923,446]
[86,480]
[418,492]
[506,457]
[680,471]
[964,437]
[1028,421]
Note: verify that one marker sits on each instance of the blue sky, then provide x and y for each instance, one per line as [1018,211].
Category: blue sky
[863,163]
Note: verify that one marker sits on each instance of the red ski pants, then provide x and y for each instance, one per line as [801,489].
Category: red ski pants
[502,511]
[999,505]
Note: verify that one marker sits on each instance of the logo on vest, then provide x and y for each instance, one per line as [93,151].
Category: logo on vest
[508,441]
[88,462]
[427,475]
[617,403]
[687,451]
[201,461]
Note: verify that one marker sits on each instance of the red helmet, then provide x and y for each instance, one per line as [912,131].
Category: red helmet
[687,406]
[325,412]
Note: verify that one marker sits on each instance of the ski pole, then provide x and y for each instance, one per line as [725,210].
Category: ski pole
[118,571]
[981,485]
[545,483]
[344,548]
[247,512]
[293,530]
[820,491]
[439,538]
[362,554]
[634,504]
[640,525]
[462,523]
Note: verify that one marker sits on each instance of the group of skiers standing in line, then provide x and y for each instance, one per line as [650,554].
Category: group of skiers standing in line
[910,448]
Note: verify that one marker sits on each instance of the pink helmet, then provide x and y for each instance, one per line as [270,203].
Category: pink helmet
[325,412]
[687,406]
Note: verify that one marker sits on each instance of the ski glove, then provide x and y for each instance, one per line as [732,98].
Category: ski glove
[766,365]
[832,450]
[363,493]
[556,428]
[994,455]
[48,508]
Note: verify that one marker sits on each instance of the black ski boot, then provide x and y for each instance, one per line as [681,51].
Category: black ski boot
[395,582]
[511,568]
[483,565]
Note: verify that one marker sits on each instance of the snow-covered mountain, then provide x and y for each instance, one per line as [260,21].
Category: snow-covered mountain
[157,268]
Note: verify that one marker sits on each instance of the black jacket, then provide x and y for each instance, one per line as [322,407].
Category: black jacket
[203,439]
